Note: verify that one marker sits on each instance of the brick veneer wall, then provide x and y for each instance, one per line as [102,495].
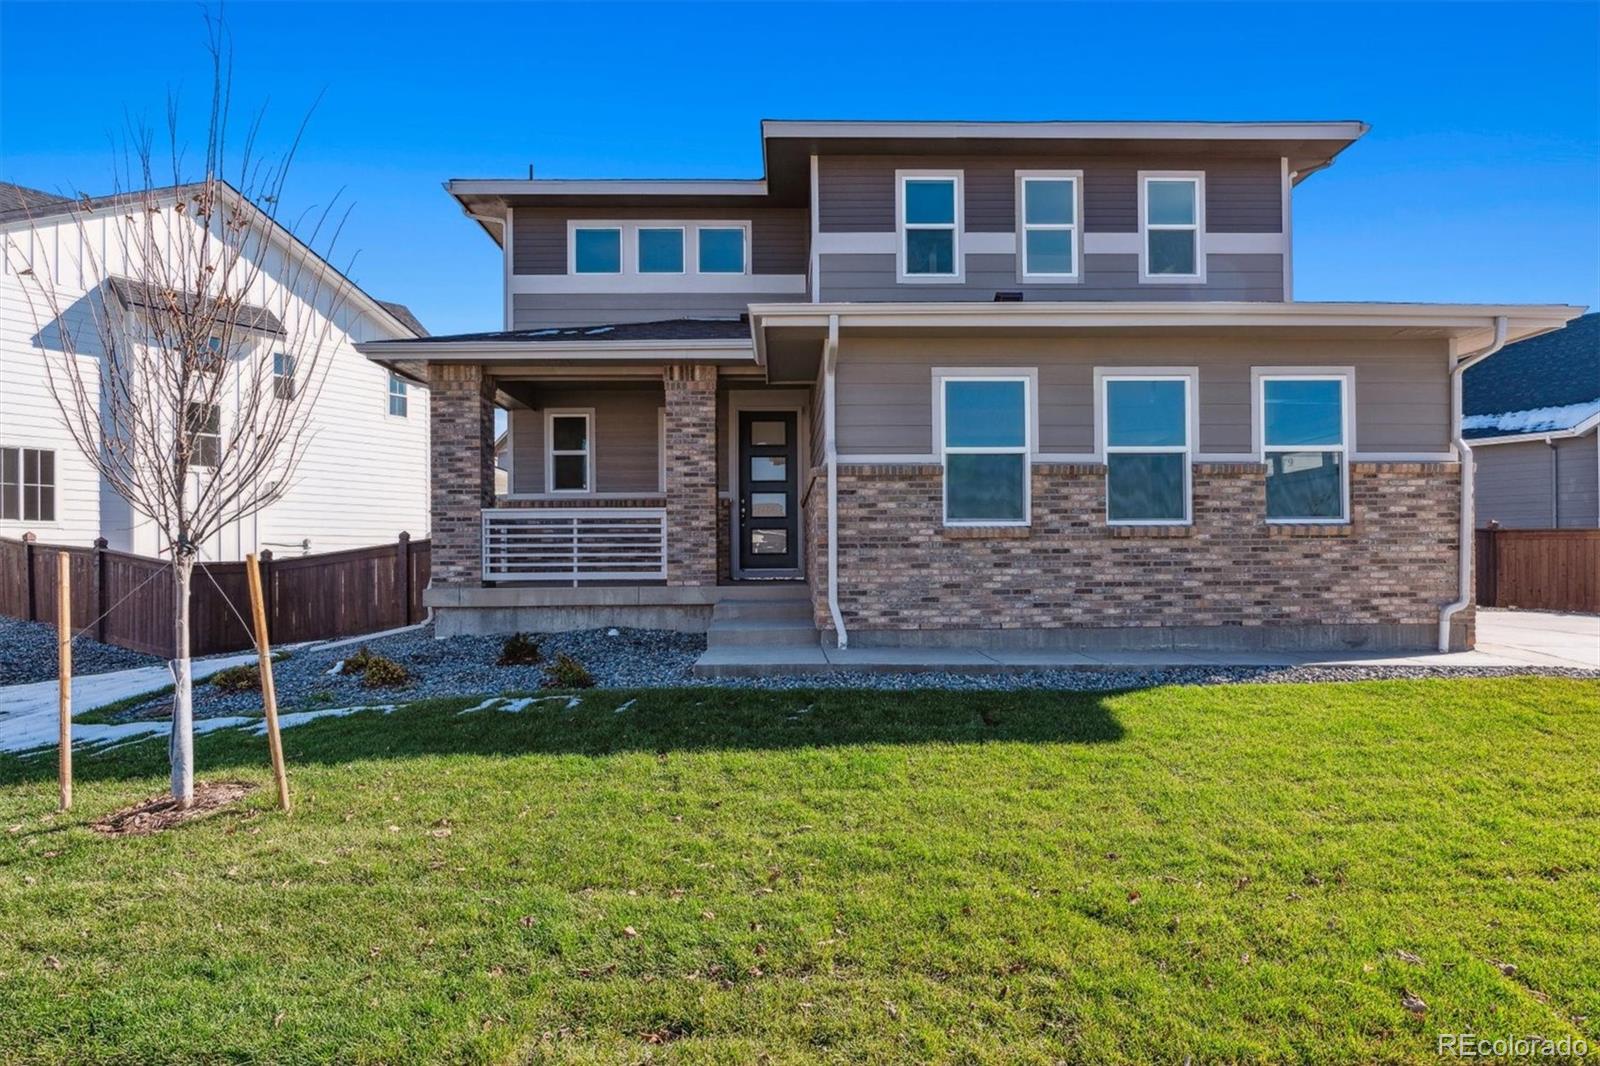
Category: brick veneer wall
[691,462]
[461,470]
[900,569]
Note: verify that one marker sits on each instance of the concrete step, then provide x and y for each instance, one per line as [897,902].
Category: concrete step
[762,632]
[795,610]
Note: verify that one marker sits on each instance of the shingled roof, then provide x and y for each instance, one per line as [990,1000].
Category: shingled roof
[1544,384]
[19,201]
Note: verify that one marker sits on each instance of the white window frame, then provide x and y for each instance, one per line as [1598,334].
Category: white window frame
[1198,178]
[1075,228]
[1190,376]
[196,436]
[574,225]
[683,243]
[550,453]
[1346,377]
[280,360]
[403,394]
[957,226]
[1030,422]
[38,484]
[743,228]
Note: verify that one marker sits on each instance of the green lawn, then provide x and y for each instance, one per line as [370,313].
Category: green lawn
[734,877]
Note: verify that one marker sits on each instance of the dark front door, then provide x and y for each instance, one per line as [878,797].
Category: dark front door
[769,503]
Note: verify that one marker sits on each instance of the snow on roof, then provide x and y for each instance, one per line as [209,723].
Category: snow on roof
[1535,420]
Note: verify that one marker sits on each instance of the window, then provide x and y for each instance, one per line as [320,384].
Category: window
[1147,436]
[986,442]
[929,218]
[569,454]
[211,359]
[721,249]
[1171,210]
[203,425]
[597,251]
[283,375]
[1048,214]
[660,250]
[1304,442]
[398,402]
[27,485]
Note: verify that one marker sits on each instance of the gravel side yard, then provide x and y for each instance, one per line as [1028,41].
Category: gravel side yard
[28,653]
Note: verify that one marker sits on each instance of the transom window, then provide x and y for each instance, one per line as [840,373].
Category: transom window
[399,402]
[283,375]
[1048,212]
[929,223]
[721,249]
[985,446]
[569,451]
[27,485]
[660,250]
[597,250]
[1304,444]
[1171,208]
[1147,439]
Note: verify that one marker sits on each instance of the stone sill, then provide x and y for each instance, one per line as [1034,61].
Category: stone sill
[1344,529]
[986,532]
[1153,532]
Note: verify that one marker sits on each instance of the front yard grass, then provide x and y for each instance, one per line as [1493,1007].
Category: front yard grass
[1227,873]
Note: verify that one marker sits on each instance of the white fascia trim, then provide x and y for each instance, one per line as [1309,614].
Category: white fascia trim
[1153,131]
[605,187]
[593,351]
[643,284]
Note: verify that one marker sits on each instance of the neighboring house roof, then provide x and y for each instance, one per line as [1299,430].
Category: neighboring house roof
[134,294]
[672,329]
[403,313]
[1549,383]
[19,201]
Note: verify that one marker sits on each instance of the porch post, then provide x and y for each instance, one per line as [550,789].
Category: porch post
[461,472]
[691,463]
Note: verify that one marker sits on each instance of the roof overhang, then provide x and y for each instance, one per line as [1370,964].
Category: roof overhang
[411,357]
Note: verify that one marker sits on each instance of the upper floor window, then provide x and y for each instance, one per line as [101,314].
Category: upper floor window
[1148,434]
[569,451]
[1305,444]
[203,423]
[283,375]
[597,250]
[985,445]
[660,249]
[399,403]
[929,223]
[27,485]
[1171,220]
[722,249]
[1048,212]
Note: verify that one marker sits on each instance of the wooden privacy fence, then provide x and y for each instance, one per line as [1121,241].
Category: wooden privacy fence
[1539,569]
[126,599]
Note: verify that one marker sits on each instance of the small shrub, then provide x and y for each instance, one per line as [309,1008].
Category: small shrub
[243,678]
[378,672]
[520,650]
[566,672]
[358,663]
[321,696]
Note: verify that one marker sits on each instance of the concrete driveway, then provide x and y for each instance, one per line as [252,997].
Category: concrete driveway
[1540,638]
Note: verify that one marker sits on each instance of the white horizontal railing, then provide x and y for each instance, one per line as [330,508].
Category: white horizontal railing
[575,544]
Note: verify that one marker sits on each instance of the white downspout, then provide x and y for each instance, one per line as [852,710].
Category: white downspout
[830,358]
[1464,548]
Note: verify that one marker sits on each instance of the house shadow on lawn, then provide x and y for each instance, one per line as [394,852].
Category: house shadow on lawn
[619,722]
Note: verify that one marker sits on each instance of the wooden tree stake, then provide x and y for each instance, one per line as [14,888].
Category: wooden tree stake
[64,650]
[269,694]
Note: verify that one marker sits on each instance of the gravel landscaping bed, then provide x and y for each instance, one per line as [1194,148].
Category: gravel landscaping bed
[310,678]
[28,653]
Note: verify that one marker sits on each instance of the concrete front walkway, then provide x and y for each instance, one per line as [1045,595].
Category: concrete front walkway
[1505,639]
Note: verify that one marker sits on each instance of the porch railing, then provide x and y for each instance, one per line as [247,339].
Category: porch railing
[575,544]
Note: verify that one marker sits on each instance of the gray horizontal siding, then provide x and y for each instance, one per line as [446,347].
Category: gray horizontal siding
[626,439]
[856,193]
[1106,277]
[886,405]
[1520,484]
[779,236]
[539,310]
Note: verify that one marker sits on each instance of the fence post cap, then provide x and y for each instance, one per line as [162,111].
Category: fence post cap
[101,543]
[404,536]
[30,536]
[1492,524]
[266,555]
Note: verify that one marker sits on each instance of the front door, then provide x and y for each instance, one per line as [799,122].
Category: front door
[769,500]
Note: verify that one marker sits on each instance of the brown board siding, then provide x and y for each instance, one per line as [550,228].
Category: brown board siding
[886,406]
[779,236]
[1533,485]
[627,453]
[871,277]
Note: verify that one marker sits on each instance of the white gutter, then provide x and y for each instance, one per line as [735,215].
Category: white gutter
[830,358]
[1464,545]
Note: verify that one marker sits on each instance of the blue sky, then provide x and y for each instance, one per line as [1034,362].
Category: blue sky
[1480,180]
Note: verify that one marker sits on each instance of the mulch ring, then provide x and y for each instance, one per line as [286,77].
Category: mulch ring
[159,813]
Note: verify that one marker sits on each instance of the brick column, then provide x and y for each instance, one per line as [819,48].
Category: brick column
[691,460]
[461,454]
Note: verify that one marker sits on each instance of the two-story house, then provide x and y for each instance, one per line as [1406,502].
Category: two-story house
[1037,385]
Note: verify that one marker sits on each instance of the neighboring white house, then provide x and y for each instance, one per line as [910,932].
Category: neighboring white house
[364,476]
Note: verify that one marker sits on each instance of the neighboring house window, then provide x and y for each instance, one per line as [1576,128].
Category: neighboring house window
[1049,221]
[986,429]
[569,451]
[27,485]
[1305,443]
[1171,214]
[929,219]
[660,250]
[203,422]
[283,375]
[1147,437]
[398,401]
[212,358]
[721,249]
[597,250]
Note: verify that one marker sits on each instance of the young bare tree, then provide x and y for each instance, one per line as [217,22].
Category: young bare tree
[207,320]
